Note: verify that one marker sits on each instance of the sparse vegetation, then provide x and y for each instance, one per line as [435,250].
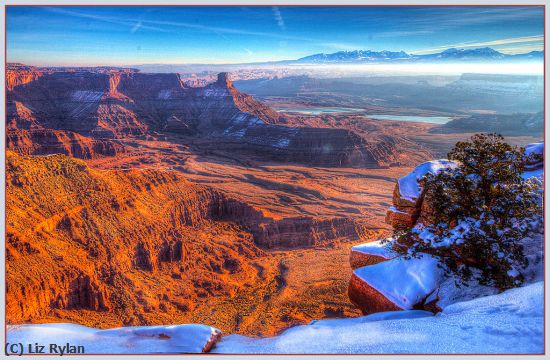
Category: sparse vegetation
[479,213]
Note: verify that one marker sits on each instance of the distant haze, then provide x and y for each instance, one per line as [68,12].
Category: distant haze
[335,70]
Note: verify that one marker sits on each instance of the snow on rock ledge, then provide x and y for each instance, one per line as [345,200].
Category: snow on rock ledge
[370,253]
[402,283]
[535,164]
[534,148]
[407,195]
[508,323]
[172,339]
[409,188]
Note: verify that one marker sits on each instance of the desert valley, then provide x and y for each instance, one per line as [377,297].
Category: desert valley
[169,203]
[245,180]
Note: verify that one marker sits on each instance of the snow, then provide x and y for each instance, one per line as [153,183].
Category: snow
[405,282]
[534,148]
[533,248]
[189,338]
[165,94]
[239,133]
[511,322]
[409,188]
[87,96]
[245,119]
[539,173]
[84,101]
[428,234]
[282,143]
[449,293]
[396,210]
[214,92]
[380,248]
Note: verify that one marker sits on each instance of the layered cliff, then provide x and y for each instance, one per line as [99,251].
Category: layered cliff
[104,235]
[124,105]
[20,75]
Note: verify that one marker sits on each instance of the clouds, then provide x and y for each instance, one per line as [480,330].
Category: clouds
[279,18]
[132,24]
[528,43]
[263,33]
[136,27]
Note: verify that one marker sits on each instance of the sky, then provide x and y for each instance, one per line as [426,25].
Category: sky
[135,35]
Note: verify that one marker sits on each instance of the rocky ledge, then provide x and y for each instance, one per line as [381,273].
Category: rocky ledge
[383,281]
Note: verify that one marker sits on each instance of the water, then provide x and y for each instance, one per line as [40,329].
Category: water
[317,110]
[424,119]
[335,110]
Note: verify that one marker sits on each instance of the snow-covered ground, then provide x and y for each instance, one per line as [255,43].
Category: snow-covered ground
[174,339]
[534,148]
[379,248]
[511,322]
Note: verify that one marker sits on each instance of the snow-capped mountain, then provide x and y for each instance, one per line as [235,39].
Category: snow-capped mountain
[466,54]
[356,55]
[533,55]
[452,54]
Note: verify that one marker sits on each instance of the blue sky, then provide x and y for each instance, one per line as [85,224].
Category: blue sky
[89,35]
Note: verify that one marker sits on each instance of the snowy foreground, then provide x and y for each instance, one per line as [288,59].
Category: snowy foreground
[175,339]
[511,322]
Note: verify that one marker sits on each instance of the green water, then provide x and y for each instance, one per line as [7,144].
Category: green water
[317,110]
[424,119]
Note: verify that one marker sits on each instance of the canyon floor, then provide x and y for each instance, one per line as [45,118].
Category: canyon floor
[301,284]
[202,206]
[294,286]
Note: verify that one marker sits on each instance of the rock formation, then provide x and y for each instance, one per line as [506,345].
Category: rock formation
[383,281]
[121,104]
[408,199]
[103,235]
[20,74]
[407,208]
[369,254]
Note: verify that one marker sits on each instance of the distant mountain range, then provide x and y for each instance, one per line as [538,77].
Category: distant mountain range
[452,54]
[477,55]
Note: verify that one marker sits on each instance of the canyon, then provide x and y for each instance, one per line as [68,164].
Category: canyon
[152,202]
[154,199]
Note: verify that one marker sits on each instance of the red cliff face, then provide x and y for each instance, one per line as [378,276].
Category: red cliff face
[15,78]
[46,141]
[368,299]
[102,236]
[122,104]
[287,232]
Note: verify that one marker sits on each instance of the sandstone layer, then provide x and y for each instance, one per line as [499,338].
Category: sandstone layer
[106,105]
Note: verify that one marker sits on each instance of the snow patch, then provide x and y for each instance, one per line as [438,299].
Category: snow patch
[511,322]
[409,188]
[534,148]
[282,143]
[171,339]
[380,248]
[85,95]
[165,94]
[214,92]
[396,210]
[405,282]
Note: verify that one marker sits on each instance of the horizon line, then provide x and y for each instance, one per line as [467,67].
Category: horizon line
[275,61]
